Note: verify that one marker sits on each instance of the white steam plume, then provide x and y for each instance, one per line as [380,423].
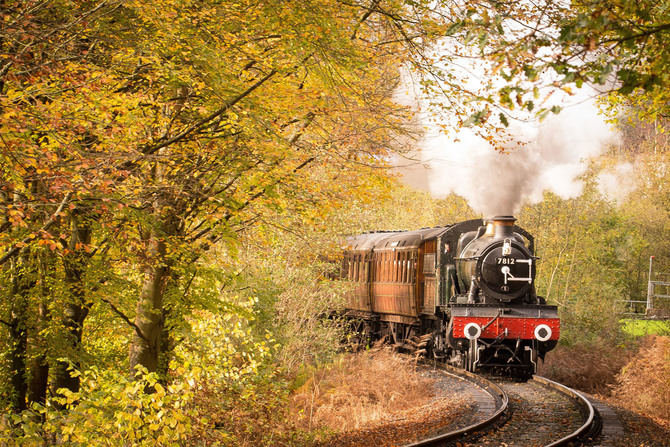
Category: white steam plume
[495,183]
[619,181]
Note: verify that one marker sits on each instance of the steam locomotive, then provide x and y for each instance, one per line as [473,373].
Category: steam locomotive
[463,293]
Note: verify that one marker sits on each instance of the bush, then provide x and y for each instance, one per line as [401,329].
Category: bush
[111,410]
[644,383]
[588,366]
[361,389]
[223,389]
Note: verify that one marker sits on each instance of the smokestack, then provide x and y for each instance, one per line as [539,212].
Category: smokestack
[500,227]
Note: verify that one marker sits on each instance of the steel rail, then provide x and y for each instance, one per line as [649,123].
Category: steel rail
[589,429]
[499,396]
[592,423]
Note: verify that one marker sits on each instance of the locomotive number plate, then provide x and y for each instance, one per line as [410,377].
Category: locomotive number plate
[505,261]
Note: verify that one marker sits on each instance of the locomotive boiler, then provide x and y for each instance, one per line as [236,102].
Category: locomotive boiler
[462,293]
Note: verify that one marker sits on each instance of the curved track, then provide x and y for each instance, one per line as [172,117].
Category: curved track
[592,422]
[539,412]
[497,417]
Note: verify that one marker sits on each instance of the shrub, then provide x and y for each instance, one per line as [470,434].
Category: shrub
[644,383]
[111,410]
[587,366]
[361,389]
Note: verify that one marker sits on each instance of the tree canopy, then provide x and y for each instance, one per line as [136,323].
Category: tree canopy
[619,47]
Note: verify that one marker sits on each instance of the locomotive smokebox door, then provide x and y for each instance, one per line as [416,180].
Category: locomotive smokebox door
[498,261]
[511,274]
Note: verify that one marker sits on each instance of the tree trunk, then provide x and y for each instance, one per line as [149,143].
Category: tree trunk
[167,344]
[22,282]
[39,366]
[145,348]
[76,309]
[17,353]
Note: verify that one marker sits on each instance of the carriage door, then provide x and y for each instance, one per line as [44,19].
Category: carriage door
[429,285]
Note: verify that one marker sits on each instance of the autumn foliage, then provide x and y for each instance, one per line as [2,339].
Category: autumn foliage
[142,145]
[644,383]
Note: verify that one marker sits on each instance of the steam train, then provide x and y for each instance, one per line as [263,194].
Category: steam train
[463,293]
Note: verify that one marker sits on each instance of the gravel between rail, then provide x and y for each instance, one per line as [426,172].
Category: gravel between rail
[538,417]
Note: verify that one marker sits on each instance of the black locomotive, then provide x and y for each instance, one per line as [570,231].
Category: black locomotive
[463,293]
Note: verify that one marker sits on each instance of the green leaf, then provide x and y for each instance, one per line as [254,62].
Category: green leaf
[453,28]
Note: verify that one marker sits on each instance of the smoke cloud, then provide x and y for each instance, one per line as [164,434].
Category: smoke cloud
[548,156]
[618,182]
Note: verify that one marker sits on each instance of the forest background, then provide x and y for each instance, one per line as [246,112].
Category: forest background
[177,178]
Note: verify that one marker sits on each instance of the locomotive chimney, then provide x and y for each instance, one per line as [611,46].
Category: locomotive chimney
[501,227]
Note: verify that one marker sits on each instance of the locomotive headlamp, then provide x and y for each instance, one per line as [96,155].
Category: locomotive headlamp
[542,332]
[507,247]
[472,331]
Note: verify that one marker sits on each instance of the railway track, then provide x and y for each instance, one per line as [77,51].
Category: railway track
[539,412]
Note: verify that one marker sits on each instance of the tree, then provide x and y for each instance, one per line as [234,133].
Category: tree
[138,136]
[620,47]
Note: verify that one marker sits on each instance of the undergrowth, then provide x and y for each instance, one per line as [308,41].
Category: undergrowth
[360,390]
[588,366]
[635,376]
[643,385]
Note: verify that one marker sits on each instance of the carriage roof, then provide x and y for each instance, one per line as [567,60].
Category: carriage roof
[392,239]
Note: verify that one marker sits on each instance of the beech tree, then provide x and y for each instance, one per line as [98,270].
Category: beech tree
[137,136]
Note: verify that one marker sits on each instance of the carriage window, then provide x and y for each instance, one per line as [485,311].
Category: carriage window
[386,267]
[398,268]
[380,266]
[395,267]
[429,263]
[405,268]
[387,277]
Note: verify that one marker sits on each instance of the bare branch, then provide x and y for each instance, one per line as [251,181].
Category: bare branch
[206,120]
[125,318]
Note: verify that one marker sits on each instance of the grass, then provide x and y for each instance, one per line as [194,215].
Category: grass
[588,366]
[635,376]
[640,328]
[361,389]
